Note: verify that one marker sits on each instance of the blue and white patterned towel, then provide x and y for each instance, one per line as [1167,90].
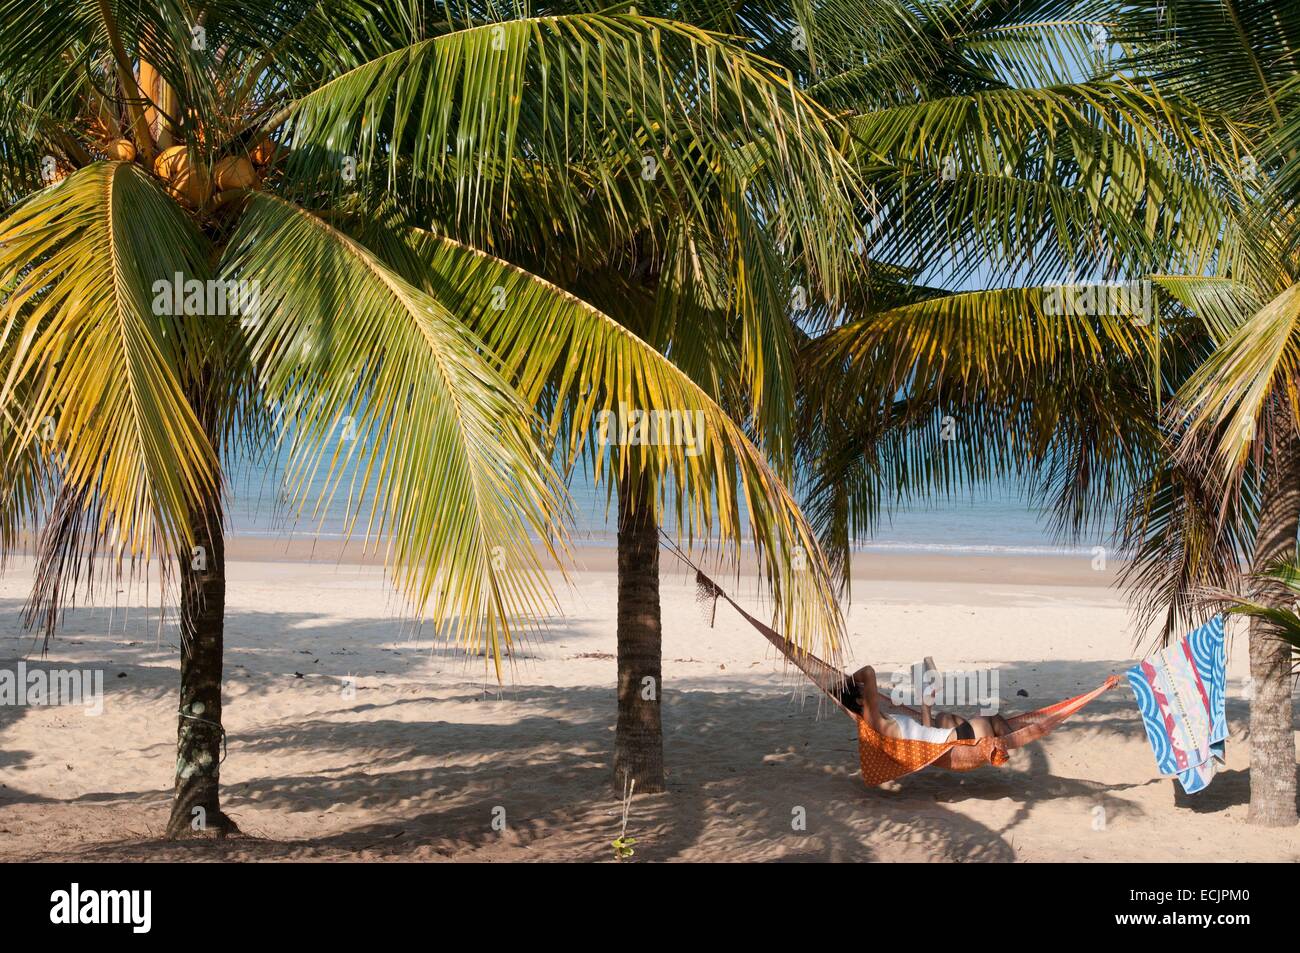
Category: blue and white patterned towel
[1180,695]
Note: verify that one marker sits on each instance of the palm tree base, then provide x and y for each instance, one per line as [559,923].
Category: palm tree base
[1269,818]
[639,761]
[200,736]
[196,813]
[1272,731]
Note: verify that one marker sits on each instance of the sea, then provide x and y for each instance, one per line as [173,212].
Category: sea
[994,518]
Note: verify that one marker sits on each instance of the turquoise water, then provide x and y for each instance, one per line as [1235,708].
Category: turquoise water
[992,519]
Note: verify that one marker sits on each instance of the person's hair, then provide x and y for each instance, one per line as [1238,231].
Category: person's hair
[851,695]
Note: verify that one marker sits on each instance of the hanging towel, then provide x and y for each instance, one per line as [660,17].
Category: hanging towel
[1180,695]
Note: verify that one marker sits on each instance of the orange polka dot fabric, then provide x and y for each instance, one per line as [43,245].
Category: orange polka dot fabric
[883,759]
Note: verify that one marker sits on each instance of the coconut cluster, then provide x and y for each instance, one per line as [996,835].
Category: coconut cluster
[194,184]
[191,182]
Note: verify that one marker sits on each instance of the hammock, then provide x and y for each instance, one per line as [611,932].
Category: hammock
[882,758]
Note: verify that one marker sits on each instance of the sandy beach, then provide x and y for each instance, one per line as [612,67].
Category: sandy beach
[429,751]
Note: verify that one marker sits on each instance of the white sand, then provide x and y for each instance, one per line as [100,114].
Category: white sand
[416,764]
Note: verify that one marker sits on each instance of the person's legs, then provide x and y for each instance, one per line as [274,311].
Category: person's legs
[993,726]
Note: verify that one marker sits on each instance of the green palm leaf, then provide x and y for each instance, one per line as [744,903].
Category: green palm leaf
[552,342]
[951,390]
[376,379]
[1222,403]
[1077,176]
[609,111]
[92,366]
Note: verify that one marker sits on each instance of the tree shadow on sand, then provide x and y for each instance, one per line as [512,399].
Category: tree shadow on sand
[1230,789]
[725,800]
[753,774]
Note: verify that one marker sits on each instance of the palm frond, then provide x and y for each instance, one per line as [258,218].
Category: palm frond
[1077,178]
[95,362]
[612,111]
[1222,403]
[952,390]
[596,371]
[378,383]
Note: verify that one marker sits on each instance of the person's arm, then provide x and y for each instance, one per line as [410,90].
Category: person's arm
[865,678]
[928,666]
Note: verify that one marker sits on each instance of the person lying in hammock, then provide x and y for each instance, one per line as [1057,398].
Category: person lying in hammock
[862,695]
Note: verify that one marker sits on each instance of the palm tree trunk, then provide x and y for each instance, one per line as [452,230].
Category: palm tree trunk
[196,806]
[1272,733]
[200,738]
[638,739]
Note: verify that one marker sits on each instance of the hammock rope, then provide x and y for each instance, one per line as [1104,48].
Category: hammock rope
[882,758]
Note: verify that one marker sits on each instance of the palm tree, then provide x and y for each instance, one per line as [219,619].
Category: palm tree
[1009,150]
[707,278]
[1157,164]
[704,277]
[1002,160]
[1237,413]
[353,166]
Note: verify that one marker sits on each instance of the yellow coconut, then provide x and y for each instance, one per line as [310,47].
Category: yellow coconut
[189,182]
[234,172]
[123,150]
[193,186]
[169,161]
